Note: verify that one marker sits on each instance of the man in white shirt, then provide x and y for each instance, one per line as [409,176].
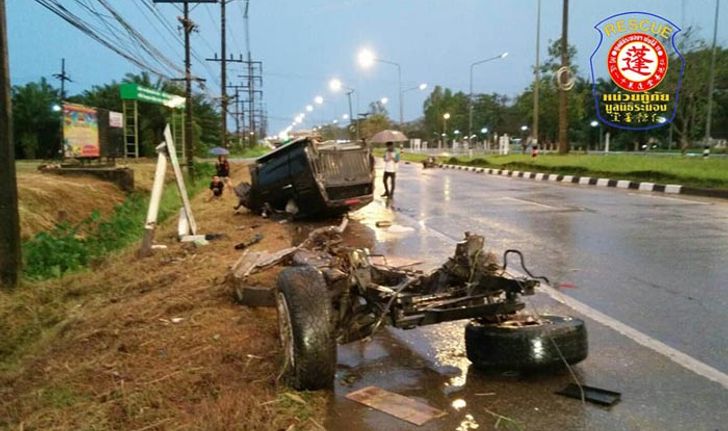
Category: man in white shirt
[391,160]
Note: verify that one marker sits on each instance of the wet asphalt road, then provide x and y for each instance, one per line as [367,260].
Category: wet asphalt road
[656,263]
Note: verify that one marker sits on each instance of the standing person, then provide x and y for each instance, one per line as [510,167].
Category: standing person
[222,168]
[391,160]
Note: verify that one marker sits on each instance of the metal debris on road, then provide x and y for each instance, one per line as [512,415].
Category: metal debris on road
[589,393]
[250,241]
[383,223]
[396,405]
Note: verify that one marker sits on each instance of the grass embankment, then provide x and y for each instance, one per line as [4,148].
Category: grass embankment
[251,153]
[687,171]
[153,343]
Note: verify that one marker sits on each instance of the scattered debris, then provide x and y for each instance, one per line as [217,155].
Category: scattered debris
[250,241]
[255,296]
[383,223]
[589,393]
[214,236]
[512,423]
[396,405]
[159,247]
[293,397]
[177,319]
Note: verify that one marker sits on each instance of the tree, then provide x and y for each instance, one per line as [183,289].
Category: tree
[36,124]
[689,123]
[372,124]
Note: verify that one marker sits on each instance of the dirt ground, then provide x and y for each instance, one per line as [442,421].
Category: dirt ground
[156,343]
[45,198]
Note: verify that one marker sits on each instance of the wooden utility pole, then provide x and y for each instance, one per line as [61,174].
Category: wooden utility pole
[10,260]
[563,93]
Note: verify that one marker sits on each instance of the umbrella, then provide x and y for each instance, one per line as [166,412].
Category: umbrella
[219,151]
[388,136]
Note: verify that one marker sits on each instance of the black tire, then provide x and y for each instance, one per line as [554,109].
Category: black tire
[527,347]
[304,321]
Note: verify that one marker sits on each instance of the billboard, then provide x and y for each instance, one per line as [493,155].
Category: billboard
[80,131]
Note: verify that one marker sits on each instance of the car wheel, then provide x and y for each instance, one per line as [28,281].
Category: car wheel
[304,322]
[527,344]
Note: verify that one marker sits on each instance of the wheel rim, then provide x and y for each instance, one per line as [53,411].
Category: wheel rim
[285,332]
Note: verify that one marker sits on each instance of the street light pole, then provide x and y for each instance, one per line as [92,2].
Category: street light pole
[470,97]
[367,58]
[445,117]
[537,73]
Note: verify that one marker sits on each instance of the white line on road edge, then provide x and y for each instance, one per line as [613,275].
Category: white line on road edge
[680,358]
[671,353]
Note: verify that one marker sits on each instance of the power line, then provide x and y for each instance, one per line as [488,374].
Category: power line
[86,28]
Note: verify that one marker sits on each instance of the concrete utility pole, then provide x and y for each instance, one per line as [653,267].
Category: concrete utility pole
[224,100]
[189,142]
[563,94]
[223,75]
[711,82]
[63,77]
[10,257]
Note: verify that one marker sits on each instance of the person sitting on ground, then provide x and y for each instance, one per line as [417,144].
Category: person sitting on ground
[216,188]
[391,160]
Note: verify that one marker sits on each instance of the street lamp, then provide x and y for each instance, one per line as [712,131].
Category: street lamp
[470,98]
[524,128]
[309,108]
[445,117]
[336,85]
[367,59]
[344,116]
[318,100]
[384,100]
[595,123]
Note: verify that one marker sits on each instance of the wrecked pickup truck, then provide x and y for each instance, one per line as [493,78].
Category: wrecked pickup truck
[332,294]
[307,178]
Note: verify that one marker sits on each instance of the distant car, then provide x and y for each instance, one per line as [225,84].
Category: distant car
[307,178]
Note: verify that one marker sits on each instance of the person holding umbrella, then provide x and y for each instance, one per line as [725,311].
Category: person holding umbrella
[391,160]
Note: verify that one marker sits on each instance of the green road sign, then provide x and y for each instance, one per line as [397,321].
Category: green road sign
[144,94]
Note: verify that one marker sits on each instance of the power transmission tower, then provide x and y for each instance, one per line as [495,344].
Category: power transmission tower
[10,260]
[63,77]
[239,112]
[254,79]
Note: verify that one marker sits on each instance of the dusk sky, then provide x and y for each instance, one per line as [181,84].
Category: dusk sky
[305,43]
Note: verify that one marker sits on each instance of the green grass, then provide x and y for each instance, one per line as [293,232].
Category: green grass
[687,171]
[67,248]
[43,305]
[251,153]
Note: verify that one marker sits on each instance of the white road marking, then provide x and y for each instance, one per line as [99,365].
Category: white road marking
[678,357]
[685,201]
[527,202]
